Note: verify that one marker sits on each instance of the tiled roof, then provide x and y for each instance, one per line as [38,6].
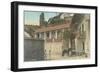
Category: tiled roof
[51,28]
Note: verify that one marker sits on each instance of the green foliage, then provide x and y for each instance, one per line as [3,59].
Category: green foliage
[77,18]
[57,21]
[67,34]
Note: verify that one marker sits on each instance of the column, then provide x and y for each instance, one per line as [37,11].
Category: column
[62,30]
[35,35]
[44,35]
[39,35]
[50,35]
[56,34]
[69,43]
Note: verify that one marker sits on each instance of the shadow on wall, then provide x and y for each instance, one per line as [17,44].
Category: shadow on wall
[33,50]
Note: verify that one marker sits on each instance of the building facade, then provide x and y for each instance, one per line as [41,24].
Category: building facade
[82,40]
[64,32]
[53,35]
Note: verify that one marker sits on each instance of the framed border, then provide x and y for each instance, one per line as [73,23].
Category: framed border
[14,35]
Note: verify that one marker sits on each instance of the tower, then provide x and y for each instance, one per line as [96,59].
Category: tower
[42,19]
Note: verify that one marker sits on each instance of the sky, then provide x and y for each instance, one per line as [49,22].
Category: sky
[32,17]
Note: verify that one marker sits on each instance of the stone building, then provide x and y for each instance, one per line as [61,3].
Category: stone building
[33,48]
[65,31]
[53,35]
[80,29]
[82,40]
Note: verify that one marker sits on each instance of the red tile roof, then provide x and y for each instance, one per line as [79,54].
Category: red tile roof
[50,28]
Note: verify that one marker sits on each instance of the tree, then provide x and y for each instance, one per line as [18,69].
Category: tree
[66,38]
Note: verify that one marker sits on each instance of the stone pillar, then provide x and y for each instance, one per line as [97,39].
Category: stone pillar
[76,44]
[69,43]
[62,30]
[50,35]
[39,35]
[44,35]
[56,34]
[35,35]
